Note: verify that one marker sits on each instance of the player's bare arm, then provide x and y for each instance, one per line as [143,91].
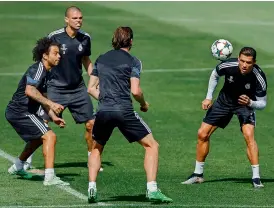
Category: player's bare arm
[138,93]
[93,86]
[58,121]
[33,93]
[87,64]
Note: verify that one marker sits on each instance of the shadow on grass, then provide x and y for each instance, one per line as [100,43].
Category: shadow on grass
[239,180]
[63,176]
[79,164]
[136,198]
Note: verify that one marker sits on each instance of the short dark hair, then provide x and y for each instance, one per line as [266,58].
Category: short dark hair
[248,51]
[72,7]
[122,38]
[42,46]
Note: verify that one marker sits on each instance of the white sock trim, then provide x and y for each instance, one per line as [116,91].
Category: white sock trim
[152,186]
[49,173]
[29,160]
[199,167]
[255,171]
[92,184]
[19,164]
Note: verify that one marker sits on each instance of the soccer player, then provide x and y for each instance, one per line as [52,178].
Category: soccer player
[119,75]
[21,111]
[66,85]
[244,91]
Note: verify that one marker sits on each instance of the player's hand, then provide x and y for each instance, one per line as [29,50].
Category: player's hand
[206,104]
[244,100]
[57,108]
[60,122]
[145,107]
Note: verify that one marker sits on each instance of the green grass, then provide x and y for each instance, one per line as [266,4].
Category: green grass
[175,99]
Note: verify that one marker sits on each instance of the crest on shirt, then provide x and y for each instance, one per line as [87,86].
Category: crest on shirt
[64,48]
[230,79]
[247,86]
[41,113]
[80,47]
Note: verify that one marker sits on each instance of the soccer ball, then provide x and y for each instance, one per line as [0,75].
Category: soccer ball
[221,49]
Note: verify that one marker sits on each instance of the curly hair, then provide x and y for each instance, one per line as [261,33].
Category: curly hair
[42,46]
[122,38]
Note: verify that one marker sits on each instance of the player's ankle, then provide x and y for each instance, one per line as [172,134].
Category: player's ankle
[19,164]
[92,185]
[49,174]
[199,167]
[152,186]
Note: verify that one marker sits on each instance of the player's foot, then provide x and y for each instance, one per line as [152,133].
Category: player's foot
[194,178]
[157,196]
[55,181]
[92,195]
[13,171]
[257,183]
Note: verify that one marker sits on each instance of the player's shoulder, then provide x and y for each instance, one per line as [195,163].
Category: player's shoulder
[84,34]
[136,61]
[109,54]
[36,69]
[260,76]
[228,63]
[258,68]
[57,32]
[35,66]
[258,71]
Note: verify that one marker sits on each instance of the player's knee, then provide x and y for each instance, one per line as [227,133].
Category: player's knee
[203,135]
[150,142]
[249,136]
[89,125]
[155,145]
[97,146]
[50,136]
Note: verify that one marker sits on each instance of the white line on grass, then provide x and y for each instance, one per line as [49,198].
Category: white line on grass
[79,195]
[116,17]
[13,74]
[232,22]
[68,189]
[141,205]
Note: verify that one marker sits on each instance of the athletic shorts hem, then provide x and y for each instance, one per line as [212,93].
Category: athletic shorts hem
[214,124]
[84,121]
[137,139]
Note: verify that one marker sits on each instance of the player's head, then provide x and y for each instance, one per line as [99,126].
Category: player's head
[247,59]
[122,38]
[74,17]
[47,51]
